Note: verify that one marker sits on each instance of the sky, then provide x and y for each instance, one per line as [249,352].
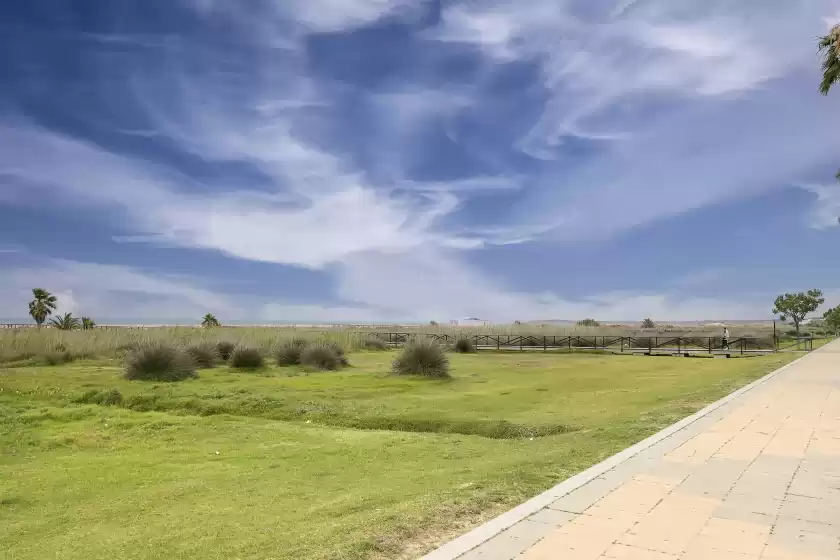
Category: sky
[362,161]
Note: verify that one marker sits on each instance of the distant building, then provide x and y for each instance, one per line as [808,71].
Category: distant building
[469,322]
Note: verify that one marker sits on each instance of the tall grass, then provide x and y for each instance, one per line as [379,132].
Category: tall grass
[25,343]
[21,344]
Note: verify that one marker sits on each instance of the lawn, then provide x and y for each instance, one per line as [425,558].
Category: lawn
[288,464]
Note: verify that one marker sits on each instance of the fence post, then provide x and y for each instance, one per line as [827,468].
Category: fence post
[650,348]
[742,346]
[498,342]
[545,343]
[679,346]
[710,345]
[570,343]
[622,344]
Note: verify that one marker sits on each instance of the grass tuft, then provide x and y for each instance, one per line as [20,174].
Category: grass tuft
[245,357]
[204,355]
[159,362]
[464,345]
[59,358]
[374,344]
[322,357]
[422,356]
[225,348]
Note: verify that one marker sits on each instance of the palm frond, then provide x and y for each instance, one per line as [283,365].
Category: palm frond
[829,47]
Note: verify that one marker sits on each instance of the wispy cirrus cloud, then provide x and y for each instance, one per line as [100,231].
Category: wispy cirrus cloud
[501,124]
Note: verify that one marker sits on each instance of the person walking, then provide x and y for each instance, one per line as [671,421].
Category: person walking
[725,339]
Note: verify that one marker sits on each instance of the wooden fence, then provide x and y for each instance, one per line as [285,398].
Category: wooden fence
[643,344]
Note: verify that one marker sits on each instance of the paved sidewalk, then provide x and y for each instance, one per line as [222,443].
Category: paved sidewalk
[756,478]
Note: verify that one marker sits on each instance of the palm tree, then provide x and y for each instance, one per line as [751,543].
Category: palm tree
[210,321]
[829,47]
[65,323]
[42,305]
[88,323]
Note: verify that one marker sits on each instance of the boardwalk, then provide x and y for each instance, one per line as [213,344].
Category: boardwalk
[758,477]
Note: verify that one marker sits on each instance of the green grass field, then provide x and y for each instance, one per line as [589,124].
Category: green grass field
[288,464]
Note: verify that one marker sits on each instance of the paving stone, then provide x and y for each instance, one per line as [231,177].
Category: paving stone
[806,508]
[699,449]
[714,478]
[510,543]
[552,517]
[729,535]
[582,498]
[585,538]
[671,525]
[624,552]
[802,537]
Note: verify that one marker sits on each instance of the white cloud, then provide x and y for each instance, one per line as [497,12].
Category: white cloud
[376,288]
[339,216]
[108,292]
[315,15]
[437,286]
[594,65]
[826,209]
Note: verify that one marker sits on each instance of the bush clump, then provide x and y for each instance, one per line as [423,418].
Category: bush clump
[204,355]
[464,345]
[322,356]
[339,352]
[225,348]
[374,344]
[111,397]
[59,358]
[159,362]
[422,356]
[289,353]
[244,357]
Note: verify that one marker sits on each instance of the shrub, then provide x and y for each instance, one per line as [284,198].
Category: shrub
[204,355]
[374,344]
[244,357]
[159,362]
[289,353]
[422,356]
[110,397]
[225,348]
[648,324]
[464,345]
[59,358]
[588,323]
[321,356]
[339,351]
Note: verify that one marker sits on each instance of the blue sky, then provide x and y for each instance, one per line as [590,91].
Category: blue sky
[396,160]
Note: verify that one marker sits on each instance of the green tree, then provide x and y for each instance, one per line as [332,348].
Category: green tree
[88,323]
[832,318]
[210,321]
[65,322]
[829,48]
[588,323]
[797,306]
[42,305]
[648,324]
